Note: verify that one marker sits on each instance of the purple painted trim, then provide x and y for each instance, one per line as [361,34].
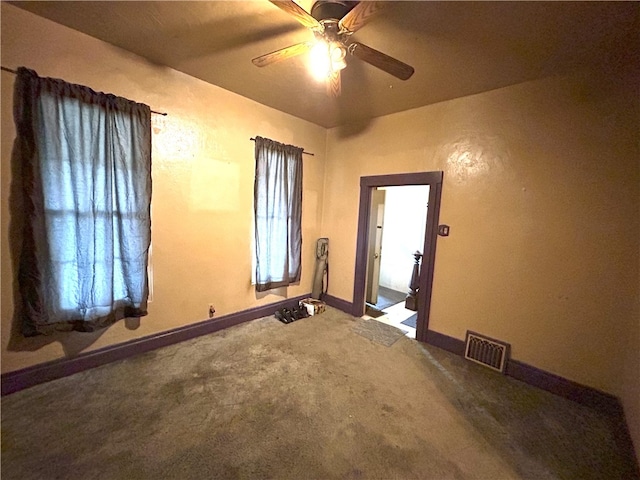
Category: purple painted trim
[44,372]
[434,180]
[563,387]
[401,179]
[359,283]
[428,259]
[588,396]
[445,342]
[340,304]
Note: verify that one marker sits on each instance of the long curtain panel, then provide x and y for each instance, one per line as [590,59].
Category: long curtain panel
[278,214]
[86,170]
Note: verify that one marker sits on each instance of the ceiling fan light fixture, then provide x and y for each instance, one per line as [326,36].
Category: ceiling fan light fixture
[320,62]
[332,22]
[338,55]
[327,58]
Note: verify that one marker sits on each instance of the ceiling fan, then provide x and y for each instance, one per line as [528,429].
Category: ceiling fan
[332,23]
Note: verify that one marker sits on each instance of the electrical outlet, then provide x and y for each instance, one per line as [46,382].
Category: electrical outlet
[212,310]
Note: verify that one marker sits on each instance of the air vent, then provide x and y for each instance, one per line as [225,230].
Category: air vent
[486,351]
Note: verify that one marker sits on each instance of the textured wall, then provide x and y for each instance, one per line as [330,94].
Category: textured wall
[203,170]
[541,190]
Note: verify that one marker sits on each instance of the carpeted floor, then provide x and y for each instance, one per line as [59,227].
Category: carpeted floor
[315,399]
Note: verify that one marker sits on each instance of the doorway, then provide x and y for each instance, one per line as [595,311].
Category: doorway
[397,225]
[368,215]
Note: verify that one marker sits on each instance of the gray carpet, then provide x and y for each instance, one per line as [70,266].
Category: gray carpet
[309,400]
[388,297]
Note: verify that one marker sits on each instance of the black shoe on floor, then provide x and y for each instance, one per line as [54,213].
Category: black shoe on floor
[288,314]
[282,316]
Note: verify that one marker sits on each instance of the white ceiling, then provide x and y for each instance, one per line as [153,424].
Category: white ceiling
[456,48]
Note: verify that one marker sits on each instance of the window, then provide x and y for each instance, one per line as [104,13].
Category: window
[278,214]
[86,160]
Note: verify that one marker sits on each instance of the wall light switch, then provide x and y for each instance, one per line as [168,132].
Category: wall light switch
[443,230]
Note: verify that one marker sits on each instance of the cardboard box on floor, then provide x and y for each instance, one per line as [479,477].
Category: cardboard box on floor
[312,305]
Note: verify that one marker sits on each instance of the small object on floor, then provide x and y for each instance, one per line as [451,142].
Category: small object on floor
[411,321]
[313,306]
[288,316]
[300,312]
[284,315]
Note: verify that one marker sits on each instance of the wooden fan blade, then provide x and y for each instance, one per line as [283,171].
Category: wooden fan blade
[300,14]
[359,15]
[384,62]
[282,54]
[334,85]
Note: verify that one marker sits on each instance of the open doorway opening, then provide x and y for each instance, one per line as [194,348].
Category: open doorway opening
[397,226]
[369,212]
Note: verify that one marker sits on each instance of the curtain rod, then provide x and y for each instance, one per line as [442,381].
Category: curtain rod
[303,152]
[15,72]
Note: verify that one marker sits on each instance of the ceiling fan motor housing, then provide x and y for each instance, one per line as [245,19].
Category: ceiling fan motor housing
[332,23]
[331,10]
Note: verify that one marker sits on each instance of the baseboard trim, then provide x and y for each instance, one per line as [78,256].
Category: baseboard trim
[45,372]
[577,392]
[591,397]
[335,302]
[536,377]
[445,342]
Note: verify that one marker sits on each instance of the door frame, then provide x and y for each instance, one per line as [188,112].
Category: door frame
[367,184]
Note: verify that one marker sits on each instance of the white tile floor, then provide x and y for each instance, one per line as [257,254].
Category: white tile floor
[394,316]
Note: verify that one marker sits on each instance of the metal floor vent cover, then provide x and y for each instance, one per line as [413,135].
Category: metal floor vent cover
[486,351]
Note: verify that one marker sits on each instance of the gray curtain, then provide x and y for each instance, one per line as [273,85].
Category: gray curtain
[86,171]
[278,214]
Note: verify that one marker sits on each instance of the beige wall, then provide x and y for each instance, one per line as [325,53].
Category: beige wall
[203,170]
[541,190]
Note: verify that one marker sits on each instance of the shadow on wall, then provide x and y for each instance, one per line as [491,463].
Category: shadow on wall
[72,342]
[278,292]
